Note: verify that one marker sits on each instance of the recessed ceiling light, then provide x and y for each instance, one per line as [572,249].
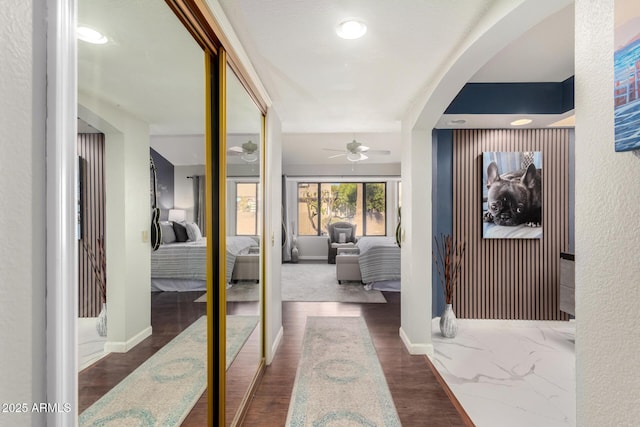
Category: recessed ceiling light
[90,35]
[521,122]
[351,29]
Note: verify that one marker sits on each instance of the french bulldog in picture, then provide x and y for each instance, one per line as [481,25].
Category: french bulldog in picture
[514,198]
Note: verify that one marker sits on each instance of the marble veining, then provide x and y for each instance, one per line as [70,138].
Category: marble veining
[507,373]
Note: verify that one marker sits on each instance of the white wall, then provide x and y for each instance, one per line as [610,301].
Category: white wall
[416,241]
[183,188]
[346,169]
[502,24]
[607,206]
[127,221]
[22,170]
[273,234]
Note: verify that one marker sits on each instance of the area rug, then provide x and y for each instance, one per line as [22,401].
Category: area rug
[162,391]
[315,282]
[239,292]
[239,329]
[339,379]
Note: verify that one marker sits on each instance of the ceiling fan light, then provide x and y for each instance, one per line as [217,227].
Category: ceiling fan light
[249,157]
[354,157]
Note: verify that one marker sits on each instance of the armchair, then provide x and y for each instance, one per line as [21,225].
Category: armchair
[341,235]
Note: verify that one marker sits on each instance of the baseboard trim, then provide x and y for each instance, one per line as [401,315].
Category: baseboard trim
[275,346]
[124,346]
[312,258]
[452,397]
[415,349]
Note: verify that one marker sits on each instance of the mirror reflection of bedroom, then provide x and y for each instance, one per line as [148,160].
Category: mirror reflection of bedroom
[141,193]
[244,223]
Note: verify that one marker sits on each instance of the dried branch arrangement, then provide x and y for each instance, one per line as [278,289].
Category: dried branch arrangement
[448,257]
[99,266]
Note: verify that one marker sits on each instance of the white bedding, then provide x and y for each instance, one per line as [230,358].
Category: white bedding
[379,262]
[185,260]
[182,266]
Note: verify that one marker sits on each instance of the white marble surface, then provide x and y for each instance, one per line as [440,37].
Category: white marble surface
[90,344]
[510,373]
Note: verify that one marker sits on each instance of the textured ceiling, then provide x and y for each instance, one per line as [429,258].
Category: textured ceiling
[327,90]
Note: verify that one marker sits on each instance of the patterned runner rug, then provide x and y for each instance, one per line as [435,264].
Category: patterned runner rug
[339,381]
[162,390]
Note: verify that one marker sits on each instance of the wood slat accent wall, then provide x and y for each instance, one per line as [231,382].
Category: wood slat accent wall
[510,278]
[91,154]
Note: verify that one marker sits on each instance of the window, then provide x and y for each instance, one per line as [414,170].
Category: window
[246,214]
[360,203]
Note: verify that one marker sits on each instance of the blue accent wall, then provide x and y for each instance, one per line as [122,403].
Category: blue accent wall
[514,98]
[442,196]
[165,172]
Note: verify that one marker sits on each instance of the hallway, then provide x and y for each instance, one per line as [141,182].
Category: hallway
[416,393]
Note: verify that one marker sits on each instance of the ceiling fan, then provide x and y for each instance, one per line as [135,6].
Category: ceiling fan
[247,151]
[355,152]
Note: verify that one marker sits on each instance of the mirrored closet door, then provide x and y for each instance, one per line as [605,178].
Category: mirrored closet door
[244,235]
[141,89]
[154,89]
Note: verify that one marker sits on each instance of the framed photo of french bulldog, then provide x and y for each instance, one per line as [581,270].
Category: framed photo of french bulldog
[626,62]
[512,194]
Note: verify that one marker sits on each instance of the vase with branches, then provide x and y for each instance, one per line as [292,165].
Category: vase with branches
[98,261]
[447,256]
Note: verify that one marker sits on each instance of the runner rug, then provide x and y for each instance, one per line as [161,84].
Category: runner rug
[339,379]
[162,390]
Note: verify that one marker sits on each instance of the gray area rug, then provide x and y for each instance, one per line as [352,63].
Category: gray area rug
[317,282]
[339,381]
[162,391]
[241,291]
[308,282]
[239,329]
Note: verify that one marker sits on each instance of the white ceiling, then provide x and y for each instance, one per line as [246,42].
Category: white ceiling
[327,90]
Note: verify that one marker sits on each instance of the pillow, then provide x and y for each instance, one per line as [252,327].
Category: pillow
[181,232]
[336,234]
[168,235]
[342,238]
[193,231]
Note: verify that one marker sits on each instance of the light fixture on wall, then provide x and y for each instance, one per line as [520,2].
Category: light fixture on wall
[177,215]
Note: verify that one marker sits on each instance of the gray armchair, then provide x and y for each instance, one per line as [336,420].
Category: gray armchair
[341,235]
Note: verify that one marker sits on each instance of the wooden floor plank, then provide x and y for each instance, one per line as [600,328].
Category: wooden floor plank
[419,398]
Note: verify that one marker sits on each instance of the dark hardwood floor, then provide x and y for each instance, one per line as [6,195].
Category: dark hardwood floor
[171,313]
[419,398]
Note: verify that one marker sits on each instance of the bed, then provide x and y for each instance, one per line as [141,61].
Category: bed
[379,260]
[181,266]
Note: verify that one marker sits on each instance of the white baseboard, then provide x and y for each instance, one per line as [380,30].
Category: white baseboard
[275,346]
[313,258]
[124,346]
[416,348]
